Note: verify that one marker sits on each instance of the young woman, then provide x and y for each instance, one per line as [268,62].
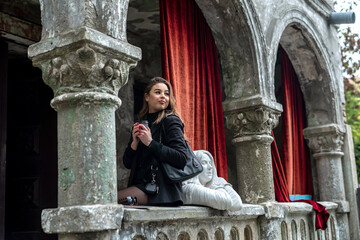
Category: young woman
[162,140]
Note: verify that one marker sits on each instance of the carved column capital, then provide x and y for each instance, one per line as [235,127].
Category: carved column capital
[85,70]
[83,66]
[325,139]
[255,121]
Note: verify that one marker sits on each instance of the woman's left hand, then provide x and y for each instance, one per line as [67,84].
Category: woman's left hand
[144,134]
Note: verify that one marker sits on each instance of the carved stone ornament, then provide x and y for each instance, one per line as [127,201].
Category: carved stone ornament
[208,189]
[252,122]
[85,70]
[326,142]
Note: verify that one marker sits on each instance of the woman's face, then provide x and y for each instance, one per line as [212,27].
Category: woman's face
[207,173]
[158,98]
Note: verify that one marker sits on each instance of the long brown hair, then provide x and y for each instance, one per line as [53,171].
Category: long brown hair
[171,108]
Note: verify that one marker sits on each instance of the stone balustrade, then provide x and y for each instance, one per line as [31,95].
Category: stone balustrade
[274,220]
[299,222]
[190,222]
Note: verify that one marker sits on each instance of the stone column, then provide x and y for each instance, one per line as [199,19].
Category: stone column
[85,59]
[326,143]
[251,124]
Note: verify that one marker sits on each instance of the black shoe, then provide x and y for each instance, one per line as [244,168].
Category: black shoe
[128,201]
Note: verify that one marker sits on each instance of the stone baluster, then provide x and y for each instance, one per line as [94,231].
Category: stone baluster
[85,59]
[251,126]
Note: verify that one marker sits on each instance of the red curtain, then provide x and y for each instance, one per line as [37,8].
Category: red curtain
[296,161]
[190,63]
[293,174]
[280,184]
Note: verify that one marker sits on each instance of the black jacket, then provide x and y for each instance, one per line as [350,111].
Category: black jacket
[172,149]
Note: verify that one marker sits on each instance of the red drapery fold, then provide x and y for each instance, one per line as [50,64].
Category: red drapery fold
[321,214]
[296,159]
[293,174]
[280,184]
[190,63]
[282,194]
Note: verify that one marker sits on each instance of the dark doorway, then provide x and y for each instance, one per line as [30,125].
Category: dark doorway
[31,151]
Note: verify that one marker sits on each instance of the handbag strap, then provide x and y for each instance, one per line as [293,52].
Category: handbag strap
[154,166]
[161,127]
[153,170]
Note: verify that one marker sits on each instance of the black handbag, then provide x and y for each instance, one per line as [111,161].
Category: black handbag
[191,169]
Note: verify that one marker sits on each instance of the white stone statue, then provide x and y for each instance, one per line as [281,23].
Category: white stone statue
[208,189]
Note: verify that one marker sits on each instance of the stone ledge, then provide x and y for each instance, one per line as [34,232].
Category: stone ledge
[251,102]
[324,129]
[147,214]
[300,207]
[249,211]
[343,207]
[280,210]
[329,205]
[80,35]
[93,218]
[81,219]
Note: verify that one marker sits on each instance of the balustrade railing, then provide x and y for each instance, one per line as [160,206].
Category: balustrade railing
[283,221]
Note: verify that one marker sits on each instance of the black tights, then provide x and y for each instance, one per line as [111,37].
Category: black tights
[132,191]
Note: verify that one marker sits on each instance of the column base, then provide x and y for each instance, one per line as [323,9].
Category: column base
[82,219]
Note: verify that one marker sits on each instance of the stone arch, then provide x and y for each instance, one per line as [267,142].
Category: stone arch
[183,236]
[241,44]
[139,237]
[162,236]
[234,234]
[299,36]
[248,233]
[242,56]
[284,231]
[293,229]
[219,234]
[202,235]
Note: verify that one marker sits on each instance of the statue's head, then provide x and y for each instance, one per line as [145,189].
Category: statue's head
[209,172]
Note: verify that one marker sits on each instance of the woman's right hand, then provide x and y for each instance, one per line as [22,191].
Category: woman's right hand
[135,133]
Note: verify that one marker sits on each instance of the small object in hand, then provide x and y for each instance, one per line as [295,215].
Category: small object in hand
[145,123]
[128,201]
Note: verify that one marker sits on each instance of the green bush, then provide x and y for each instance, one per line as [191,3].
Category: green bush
[352,95]
[350,57]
